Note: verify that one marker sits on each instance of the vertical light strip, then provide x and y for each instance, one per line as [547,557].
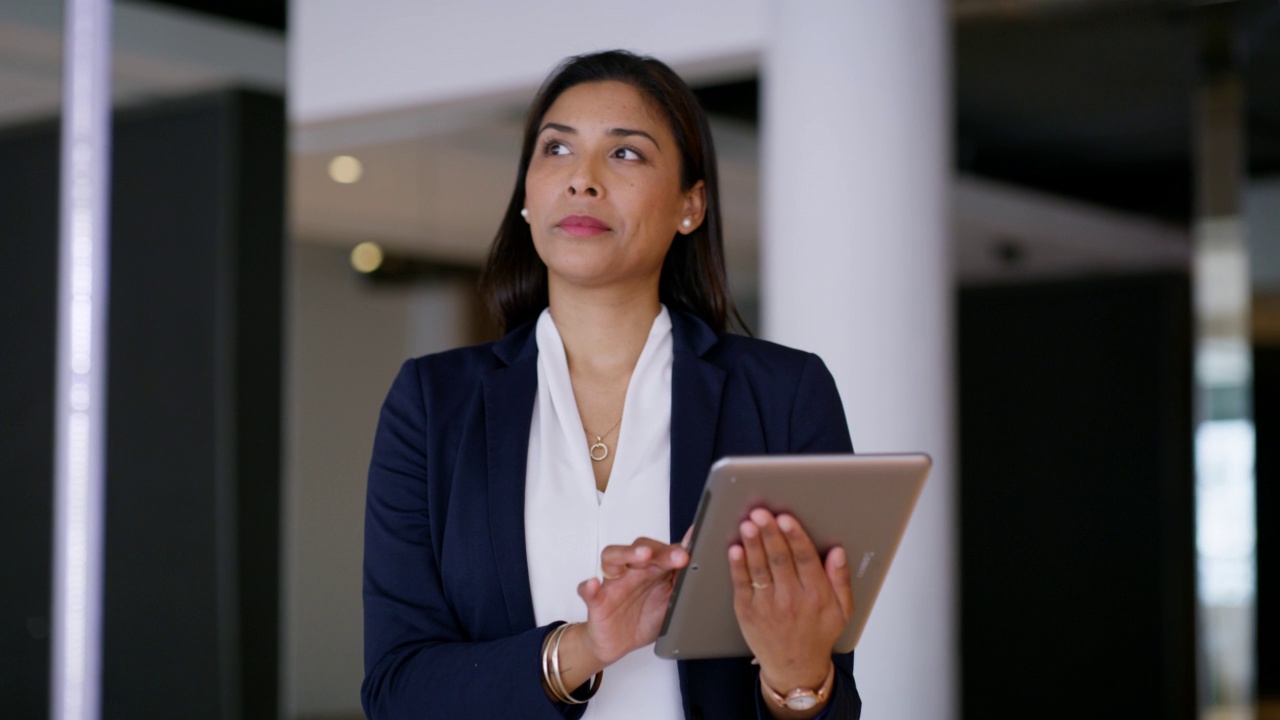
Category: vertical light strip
[1224,436]
[81,387]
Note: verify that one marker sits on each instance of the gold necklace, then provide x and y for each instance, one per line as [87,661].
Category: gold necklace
[598,447]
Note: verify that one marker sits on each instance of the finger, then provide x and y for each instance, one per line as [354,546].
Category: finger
[644,553]
[612,569]
[781,565]
[739,574]
[589,590]
[838,572]
[808,565]
[617,559]
[663,555]
[753,550]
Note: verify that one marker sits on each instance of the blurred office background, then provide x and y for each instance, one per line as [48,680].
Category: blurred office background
[1039,239]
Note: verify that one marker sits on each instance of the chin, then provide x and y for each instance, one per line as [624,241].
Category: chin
[581,278]
[581,267]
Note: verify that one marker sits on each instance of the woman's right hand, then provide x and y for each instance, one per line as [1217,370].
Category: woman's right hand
[626,609]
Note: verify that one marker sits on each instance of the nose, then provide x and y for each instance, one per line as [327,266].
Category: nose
[585,180]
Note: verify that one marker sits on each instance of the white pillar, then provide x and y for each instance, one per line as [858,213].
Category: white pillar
[855,266]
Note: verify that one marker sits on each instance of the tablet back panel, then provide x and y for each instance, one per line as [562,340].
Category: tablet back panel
[862,502]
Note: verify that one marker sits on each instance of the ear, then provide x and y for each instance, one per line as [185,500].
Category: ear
[694,208]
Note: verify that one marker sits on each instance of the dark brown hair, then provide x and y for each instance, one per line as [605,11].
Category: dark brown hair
[514,280]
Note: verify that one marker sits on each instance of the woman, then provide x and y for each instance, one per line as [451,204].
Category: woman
[498,581]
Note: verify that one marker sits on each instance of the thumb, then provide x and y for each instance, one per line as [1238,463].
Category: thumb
[588,590]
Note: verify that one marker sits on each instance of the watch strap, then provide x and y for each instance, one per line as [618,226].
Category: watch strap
[789,700]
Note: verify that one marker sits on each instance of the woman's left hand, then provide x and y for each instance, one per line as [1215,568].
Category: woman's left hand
[791,605]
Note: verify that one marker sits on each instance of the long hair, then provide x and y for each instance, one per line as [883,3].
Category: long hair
[693,278]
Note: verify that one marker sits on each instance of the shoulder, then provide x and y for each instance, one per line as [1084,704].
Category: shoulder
[732,352]
[452,374]
[793,383]
[471,359]
[791,388]
[753,356]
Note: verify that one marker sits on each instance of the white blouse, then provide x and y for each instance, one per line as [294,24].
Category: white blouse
[568,522]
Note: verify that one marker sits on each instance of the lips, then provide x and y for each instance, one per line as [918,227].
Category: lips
[582,225]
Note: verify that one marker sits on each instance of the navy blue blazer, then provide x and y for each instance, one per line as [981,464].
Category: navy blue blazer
[449,626]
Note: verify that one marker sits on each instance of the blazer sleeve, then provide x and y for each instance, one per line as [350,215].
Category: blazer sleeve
[419,661]
[818,425]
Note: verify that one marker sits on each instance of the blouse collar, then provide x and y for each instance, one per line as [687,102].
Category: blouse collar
[690,335]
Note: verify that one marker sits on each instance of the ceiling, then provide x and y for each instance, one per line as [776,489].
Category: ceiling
[1099,105]
[1092,100]
[1081,109]
[159,53]
[1078,110]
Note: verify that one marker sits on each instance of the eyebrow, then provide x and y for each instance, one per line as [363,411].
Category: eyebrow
[616,132]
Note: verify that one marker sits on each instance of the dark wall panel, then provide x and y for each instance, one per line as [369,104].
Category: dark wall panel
[193,436]
[1077,556]
[28,318]
[164,465]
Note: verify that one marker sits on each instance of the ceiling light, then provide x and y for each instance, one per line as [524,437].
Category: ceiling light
[367,257]
[345,169]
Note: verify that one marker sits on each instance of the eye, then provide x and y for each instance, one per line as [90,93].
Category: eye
[626,153]
[554,147]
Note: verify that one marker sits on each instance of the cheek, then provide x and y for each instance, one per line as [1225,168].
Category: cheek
[532,185]
[538,181]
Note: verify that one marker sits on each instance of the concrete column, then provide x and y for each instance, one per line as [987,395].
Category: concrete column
[855,265]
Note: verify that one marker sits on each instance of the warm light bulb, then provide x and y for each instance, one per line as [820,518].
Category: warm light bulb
[367,257]
[345,169]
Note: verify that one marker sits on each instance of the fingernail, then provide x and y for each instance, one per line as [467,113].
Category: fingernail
[786,523]
[760,517]
[735,552]
[677,555]
[748,530]
[841,558]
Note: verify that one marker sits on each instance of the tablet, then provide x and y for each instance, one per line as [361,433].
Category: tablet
[861,502]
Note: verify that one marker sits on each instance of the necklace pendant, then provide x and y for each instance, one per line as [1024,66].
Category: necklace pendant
[599,451]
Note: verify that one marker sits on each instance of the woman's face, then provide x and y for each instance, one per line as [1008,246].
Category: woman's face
[603,188]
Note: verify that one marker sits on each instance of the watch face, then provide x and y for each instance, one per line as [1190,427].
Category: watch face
[802,702]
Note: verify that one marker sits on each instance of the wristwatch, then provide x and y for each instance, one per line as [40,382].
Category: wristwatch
[801,698]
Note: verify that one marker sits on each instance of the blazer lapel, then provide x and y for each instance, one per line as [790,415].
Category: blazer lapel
[508,406]
[696,387]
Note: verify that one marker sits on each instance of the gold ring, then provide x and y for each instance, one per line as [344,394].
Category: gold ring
[758,586]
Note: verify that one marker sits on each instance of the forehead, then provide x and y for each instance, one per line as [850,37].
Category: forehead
[605,105]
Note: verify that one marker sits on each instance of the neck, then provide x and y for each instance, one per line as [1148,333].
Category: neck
[604,330]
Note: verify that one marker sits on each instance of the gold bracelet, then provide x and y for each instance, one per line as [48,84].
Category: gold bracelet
[552,675]
[561,690]
[546,663]
[547,644]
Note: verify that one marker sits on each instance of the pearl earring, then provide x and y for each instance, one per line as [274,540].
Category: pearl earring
[524,213]
[685,223]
